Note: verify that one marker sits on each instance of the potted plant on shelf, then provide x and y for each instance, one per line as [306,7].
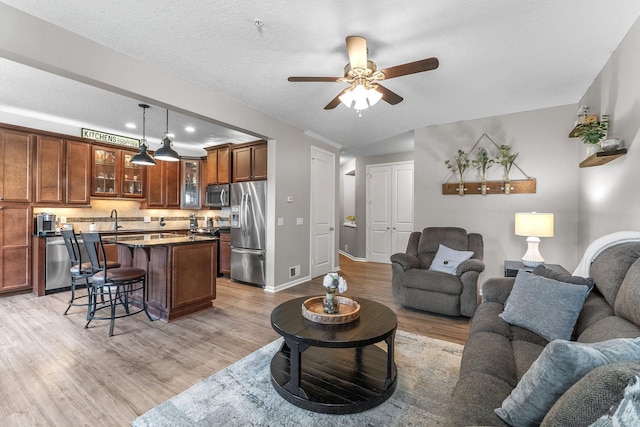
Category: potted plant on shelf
[482,163]
[591,134]
[506,159]
[461,165]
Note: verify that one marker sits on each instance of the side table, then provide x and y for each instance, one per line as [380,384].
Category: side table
[511,268]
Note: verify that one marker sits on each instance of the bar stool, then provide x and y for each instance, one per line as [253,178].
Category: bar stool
[122,286]
[80,271]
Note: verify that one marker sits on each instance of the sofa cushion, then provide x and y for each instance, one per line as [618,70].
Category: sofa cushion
[592,396]
[610,267]
[473,399]
[490,354]
[433,281]
[447,260]
[609,328]
[627,412]
[545,306]
[595,309]
[629,294]
[560,365]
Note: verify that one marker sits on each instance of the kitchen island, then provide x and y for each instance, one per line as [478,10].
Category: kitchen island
[181,270]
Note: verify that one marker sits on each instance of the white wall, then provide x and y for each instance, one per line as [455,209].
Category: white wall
[610,194]
[545,153]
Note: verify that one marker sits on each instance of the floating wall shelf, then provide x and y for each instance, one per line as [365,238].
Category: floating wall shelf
[518,186]
[602,157]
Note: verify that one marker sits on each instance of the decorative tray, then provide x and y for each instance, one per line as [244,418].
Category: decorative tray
[348,312]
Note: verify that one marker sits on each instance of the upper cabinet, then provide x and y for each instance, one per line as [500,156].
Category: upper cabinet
[16,150]
[249,162]
[49,170]
[78,173]
[113,174]
[191,184]
[163,185]
[218,164]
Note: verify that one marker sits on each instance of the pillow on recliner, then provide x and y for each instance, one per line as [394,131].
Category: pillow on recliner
[447,260]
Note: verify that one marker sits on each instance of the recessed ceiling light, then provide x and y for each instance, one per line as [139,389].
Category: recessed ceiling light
[131,125]
[190,129]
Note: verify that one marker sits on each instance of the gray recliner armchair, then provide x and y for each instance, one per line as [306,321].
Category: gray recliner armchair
[414,285]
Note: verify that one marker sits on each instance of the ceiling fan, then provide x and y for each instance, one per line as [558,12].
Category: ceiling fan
[364,77]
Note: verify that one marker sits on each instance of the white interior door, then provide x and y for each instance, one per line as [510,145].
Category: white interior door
[389,209]
[322,212]
[401,206]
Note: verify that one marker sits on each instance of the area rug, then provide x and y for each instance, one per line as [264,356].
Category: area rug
[242,394]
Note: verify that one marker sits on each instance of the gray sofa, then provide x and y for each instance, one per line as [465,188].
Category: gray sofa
[416,286]
[498,354]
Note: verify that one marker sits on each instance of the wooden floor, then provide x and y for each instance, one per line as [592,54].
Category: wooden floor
[53,372]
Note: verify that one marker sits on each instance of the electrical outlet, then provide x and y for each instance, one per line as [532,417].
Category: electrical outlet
[62,220]
[346,248]
[147,219]
[280,221]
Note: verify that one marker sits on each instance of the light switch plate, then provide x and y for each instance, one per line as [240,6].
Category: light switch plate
[299,221]
[280,221]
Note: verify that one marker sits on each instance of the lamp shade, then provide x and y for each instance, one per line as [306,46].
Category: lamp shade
[534,224]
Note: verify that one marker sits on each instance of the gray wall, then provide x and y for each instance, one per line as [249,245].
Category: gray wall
[609,195]
[545,153]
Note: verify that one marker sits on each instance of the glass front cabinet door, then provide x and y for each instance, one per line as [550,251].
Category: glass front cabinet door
[132,177]
[105,172]
[190,192]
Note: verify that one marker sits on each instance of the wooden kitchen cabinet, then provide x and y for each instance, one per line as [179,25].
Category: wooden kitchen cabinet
[49,170]
[218,164]
[163,185]
[16,151]
[15,247]
[191,184]
[249,162]
[113,174]
[225,253]
[78,173]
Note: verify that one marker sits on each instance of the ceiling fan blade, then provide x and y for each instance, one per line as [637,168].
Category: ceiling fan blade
[357,49]
[389,96]
[335,101]
[411,68]
[313,79]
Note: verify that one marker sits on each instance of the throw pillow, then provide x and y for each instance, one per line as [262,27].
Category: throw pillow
[545,306]
[447,260]
[560,365]
[543,271]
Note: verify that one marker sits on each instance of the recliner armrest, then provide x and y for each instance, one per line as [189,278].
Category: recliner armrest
[470,265]
[406,261]
[497,289]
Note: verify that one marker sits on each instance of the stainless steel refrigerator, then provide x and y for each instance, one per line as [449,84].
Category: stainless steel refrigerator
[248,237]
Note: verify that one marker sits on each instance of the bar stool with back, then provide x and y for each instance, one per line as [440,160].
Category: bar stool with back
[122,286]
[80,271]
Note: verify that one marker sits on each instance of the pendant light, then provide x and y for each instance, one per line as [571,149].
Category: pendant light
[143,158]
[166,152]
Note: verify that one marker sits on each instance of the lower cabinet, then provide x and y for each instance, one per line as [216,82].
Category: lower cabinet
[225,253]
[15,247]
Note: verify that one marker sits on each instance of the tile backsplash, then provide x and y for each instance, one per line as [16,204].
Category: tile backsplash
[130,216]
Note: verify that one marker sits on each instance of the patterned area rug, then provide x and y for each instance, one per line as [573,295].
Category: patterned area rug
[242,394]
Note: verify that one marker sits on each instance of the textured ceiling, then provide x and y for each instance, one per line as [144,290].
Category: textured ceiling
[496,57]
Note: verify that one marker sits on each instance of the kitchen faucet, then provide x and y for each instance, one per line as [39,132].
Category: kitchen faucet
[115,222]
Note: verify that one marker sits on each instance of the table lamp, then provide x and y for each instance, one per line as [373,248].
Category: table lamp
[533,225]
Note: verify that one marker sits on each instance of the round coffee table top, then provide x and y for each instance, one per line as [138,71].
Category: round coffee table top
[376,323]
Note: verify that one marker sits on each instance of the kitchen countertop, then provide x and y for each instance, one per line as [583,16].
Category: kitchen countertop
[223,229]
[157,239]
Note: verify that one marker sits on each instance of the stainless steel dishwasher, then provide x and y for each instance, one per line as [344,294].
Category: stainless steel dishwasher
[57,264]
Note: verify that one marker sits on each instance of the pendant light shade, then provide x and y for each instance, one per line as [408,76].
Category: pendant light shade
[166,152]
[143,157]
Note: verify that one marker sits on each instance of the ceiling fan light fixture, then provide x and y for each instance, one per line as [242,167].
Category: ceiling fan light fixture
[166,152]
[143,157]
[360,97]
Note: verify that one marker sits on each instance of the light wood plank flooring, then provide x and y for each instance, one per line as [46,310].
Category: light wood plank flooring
[53,372]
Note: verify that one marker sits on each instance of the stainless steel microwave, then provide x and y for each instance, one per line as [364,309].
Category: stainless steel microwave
[217,195]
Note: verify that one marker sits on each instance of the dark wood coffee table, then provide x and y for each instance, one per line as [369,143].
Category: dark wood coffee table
[334,369]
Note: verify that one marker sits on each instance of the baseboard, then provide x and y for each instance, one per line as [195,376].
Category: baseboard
[287,285]
[351,257]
